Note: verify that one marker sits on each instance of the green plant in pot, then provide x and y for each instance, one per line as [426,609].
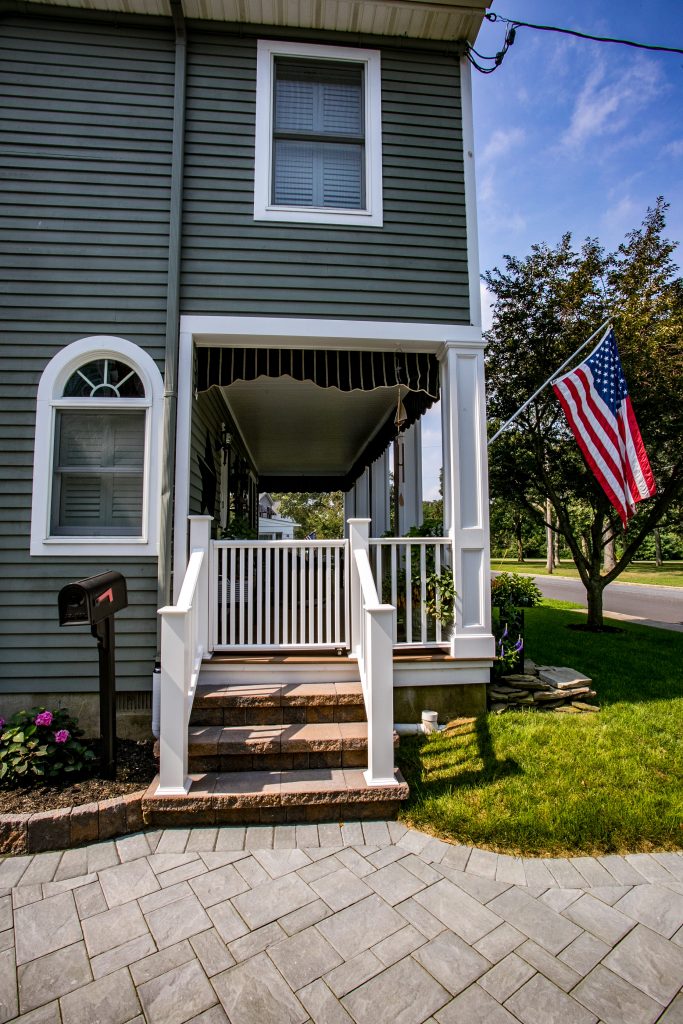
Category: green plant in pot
[440,598]
[510,595]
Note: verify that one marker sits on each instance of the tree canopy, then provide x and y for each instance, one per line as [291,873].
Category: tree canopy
[545,306]
[319,513]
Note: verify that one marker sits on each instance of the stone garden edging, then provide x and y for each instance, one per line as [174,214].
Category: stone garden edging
[71,826]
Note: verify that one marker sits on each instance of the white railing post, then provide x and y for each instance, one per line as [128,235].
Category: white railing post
[200,540]
[380,695]
[359,535]
[173,778]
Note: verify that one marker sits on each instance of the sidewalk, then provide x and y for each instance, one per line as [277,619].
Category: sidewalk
[368,923]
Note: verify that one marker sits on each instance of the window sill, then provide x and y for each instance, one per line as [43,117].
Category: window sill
[67,547]
[299,215]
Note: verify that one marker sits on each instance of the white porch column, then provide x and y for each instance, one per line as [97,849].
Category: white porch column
[410,482]
[359,532]
[361,490]
[379,493]
[465,488]
[349,509]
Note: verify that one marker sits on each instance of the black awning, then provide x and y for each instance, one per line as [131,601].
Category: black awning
[416,373]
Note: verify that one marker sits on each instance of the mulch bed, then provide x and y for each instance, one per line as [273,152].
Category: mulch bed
[136,767]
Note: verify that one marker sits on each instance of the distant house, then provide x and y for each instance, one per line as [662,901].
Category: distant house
[241,257]
[271,525]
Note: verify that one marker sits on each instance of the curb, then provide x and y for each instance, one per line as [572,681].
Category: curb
[71,826]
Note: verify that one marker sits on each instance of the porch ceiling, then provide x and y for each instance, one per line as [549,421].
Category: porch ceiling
[295,428]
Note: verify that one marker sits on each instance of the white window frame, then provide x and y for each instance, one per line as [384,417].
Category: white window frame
[264,209]
[50,402]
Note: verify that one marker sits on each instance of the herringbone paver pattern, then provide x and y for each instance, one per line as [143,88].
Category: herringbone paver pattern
[336,924]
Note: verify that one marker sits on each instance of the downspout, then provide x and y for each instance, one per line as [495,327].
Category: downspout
[169,414]
[172,310]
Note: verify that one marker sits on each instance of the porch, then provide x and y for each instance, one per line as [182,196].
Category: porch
[261,635]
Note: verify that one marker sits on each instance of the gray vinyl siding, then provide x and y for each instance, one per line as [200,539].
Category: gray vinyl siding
[208,413]
[85,137]
[414,268]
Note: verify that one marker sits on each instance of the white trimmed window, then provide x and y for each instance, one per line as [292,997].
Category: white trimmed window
[318,134]
[96,464]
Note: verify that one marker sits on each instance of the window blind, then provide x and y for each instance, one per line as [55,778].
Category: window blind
[318,134]
[98,474]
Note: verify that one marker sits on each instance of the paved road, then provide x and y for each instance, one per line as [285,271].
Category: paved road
[663,604]
[365,924]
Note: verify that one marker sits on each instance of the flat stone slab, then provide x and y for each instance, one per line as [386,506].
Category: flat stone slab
[365,923]
[563,678]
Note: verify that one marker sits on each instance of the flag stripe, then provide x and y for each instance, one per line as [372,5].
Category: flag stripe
[596,403]
[601,461]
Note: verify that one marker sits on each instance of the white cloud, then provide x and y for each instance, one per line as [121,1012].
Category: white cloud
[609,101]
[500,143]
[621,216]
[674,148]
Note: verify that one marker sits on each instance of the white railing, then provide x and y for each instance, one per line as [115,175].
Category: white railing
[372,626]
[184,641]
[401,566]
[279,594]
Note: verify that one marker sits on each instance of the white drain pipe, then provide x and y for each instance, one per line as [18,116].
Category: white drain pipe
[429,723]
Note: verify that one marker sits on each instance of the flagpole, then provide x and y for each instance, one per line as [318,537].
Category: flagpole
[550,378]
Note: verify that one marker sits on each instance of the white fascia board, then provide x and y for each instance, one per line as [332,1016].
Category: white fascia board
[310,332]
[473,272]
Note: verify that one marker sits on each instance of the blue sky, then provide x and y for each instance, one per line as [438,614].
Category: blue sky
[572,135]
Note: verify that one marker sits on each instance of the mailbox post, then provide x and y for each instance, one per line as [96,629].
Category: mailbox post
[94,602]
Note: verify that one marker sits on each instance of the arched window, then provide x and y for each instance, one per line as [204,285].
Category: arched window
[96,466]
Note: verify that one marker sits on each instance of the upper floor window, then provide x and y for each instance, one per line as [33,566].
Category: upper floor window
[318,134]
[97,451]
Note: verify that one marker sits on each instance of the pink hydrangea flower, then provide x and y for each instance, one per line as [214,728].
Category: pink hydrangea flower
[62,735]
[44,718]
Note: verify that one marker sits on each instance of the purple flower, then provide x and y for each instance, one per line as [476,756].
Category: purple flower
[2,723]
[44,718]
[62,735]
[519,645]
[505,632]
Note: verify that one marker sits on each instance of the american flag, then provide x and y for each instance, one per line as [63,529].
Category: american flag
[595,400]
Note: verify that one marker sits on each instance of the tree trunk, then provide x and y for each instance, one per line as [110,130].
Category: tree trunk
[518,539]
[556,543]
[550,555]
[594,590]
[609,557]
[584,545]
[658,547]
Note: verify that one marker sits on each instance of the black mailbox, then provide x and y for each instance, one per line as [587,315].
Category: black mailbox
[88,602]
[94,602]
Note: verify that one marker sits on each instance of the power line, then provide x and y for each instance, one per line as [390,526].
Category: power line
[513,24]
[492,17]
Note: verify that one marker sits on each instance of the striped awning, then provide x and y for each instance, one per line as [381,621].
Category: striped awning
[417,374]
[328,368]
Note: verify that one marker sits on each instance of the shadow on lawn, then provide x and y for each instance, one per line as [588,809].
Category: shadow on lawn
[462,756]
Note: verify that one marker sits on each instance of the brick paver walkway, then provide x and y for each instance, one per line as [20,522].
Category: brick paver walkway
[369,923]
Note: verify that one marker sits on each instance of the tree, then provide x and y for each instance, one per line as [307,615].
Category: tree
[546,305]
[319,513]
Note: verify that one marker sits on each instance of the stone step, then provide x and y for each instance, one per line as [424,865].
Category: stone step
[270,797]
[277,703]
[278,747]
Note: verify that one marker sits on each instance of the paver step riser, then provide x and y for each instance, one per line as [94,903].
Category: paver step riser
[283,715]
[278,762]
[169,817]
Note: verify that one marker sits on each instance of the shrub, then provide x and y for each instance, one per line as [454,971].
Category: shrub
[509,589]
[41,744]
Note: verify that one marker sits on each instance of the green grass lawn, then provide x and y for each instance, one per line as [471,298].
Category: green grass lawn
[670,574]
[541,783]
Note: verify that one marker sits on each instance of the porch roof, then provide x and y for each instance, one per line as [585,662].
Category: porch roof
[445,20]
[314,419]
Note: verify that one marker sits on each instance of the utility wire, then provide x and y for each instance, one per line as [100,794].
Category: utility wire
[512,26]
[492,17]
